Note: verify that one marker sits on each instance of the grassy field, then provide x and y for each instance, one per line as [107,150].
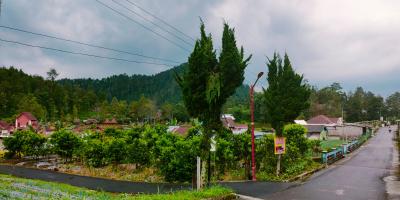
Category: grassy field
[19,188]
[328,144]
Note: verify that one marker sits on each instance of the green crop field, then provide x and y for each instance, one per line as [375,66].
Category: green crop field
[19,188]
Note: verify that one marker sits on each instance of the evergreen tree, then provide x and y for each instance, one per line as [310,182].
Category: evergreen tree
[208,82]
[286,96]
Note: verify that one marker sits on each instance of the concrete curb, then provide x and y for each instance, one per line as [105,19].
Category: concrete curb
[244,197]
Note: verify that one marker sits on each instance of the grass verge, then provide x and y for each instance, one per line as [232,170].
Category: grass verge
[328,144]
[20,188]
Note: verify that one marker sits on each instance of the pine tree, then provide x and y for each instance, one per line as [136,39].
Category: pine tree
[208,82]
[286,97]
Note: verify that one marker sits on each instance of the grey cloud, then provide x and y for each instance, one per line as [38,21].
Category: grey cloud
[355,43]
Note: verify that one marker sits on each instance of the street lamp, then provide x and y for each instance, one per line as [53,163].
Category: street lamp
[253,159]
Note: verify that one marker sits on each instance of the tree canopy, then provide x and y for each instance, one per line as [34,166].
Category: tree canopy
[287,96]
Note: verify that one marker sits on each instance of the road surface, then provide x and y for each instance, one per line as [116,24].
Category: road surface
[359,177]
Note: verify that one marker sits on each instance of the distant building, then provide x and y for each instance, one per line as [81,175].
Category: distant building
[113,121]
[6,129]
[90,121]
[316,132]
[324,120]
[26,120]
[181,130]
[228,120]
[301,122]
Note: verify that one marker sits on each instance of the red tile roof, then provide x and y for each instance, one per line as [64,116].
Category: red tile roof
[321,119]
[28,115]
[4,125]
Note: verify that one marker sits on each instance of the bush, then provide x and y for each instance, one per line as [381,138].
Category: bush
[25,143]
[94,153]
[296,136]
[116,150]
[138,153]
[65,143]
[177,160]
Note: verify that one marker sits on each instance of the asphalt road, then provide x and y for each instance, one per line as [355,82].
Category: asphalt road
[91,182]
[358,177]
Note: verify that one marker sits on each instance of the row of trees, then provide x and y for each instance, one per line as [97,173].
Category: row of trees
[151,146]
[359,105]
[45,98]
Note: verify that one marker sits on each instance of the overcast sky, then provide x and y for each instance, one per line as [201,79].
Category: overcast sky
[356,43]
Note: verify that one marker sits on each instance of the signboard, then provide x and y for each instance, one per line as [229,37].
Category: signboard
[280,145]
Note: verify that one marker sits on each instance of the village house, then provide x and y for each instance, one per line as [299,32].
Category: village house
[26,120]
[6,129]
[326,121]
[228,121]
[180,130]
[316,132]
[334,127]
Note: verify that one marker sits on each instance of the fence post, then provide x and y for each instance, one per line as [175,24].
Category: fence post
[344,146]
[324,157]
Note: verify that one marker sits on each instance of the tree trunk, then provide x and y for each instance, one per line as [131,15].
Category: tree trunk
[278,165]
[209,169]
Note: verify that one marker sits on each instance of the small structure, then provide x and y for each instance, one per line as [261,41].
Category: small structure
[228,121]
[181,130]
[90,121]
[324,120]
[301,122]
[348,130]
[26,120]
[113,121]
[316,132]
[5,129]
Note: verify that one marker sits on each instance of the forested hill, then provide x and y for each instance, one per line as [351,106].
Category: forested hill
[160,87]
[49,99]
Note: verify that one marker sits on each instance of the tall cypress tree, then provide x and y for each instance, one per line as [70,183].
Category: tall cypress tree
[286,96]
[208,81]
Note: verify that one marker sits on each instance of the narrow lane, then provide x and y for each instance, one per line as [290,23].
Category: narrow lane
[357,178]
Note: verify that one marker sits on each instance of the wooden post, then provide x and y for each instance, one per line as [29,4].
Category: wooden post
[198,175]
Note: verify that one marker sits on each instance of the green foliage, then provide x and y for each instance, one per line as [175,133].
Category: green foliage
[65,143]
[327,101]
[296,135]
[44,98]
[116,150]
[209,82]
[29,103]
[18,188]
[287,95]
[25,143]
[95,153]
[177,160]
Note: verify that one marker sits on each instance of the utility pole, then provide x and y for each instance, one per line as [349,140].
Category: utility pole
[253,158]
[343,126]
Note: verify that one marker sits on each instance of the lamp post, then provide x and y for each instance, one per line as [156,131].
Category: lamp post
[253,159]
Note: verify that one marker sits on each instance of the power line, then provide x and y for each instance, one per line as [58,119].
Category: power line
[160,19]
[146,19]
[86,44]
[142,25]
[82,54]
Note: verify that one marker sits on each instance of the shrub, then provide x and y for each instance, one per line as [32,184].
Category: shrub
[138,153]
[94,153]
[177,161]
[295,136]
[116,150]
[25,143]
[65,143]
